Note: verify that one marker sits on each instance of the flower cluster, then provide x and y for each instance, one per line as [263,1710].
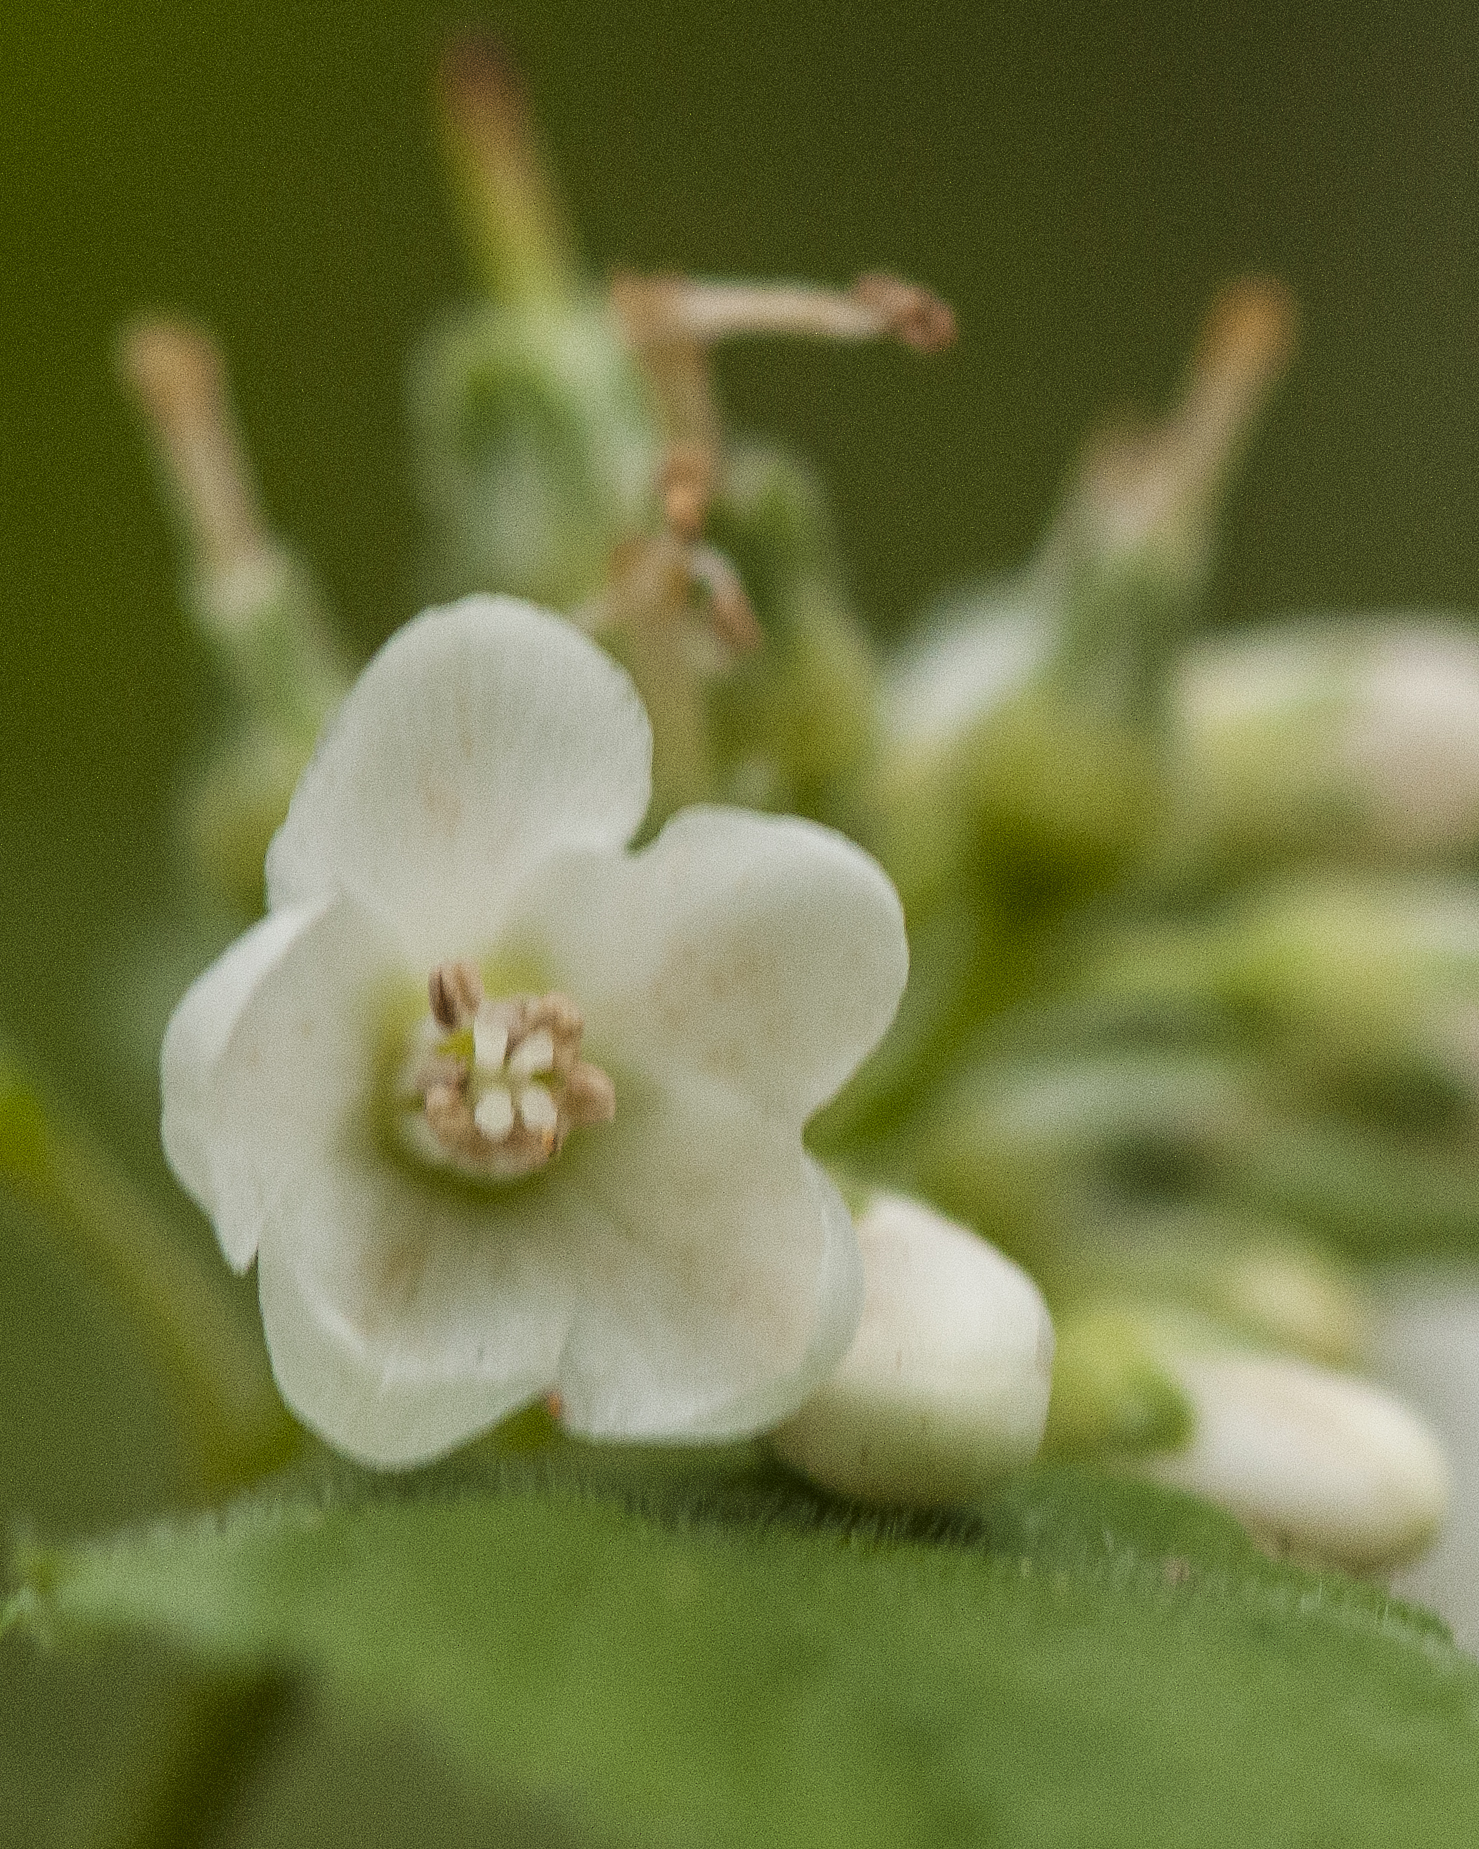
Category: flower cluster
[505,1109]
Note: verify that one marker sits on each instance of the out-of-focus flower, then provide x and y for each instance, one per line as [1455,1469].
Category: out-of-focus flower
[946,1384]
[503,1110]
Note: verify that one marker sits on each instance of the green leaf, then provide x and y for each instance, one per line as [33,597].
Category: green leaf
[724,1660]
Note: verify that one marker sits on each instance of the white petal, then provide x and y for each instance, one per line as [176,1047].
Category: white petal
[404,1316]
[718,1277]
[482,738]
[760,951]
[268,1059]
[946,1384]
[198,1031]
[1314,1459]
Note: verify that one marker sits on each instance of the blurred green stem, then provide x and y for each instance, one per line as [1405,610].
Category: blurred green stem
[225,1727]
[515,227]
[215,1376]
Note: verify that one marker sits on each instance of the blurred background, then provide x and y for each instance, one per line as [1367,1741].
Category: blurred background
[1076,180]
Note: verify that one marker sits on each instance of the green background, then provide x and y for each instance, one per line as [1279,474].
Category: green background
[1077,180]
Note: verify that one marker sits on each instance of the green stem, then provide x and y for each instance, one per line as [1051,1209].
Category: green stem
[226,1727]
[215,1375]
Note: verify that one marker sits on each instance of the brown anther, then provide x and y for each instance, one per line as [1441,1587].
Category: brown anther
[455,991]
[590,1097]
[440,1069]
[563,1019]
[911,314]
[450,1115]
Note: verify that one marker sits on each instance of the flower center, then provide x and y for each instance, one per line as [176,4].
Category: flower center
[493,1088]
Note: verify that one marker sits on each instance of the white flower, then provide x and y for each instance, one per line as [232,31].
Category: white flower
[946,1384]
[461,968]
[1310,1459]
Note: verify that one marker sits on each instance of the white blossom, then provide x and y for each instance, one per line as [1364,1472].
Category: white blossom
[503,1109]
[946,1384]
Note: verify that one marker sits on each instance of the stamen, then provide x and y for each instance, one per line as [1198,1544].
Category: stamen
[590,1097]
[456,991]
[508,1109]
[494,1114]
[653,579]
[672,321]
[730,612]
[179,378]
[538,1111]
[662,310]
[535,1053]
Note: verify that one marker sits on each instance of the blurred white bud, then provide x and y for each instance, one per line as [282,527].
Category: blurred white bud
[1339,731]
[946,1384]
[1319,1463]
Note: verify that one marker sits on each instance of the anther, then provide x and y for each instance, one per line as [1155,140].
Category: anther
[911,314]
[590,1097]
[455,991]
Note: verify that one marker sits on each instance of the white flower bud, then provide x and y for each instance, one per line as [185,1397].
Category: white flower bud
[1325,1465]
[946,1384]
[1343,729]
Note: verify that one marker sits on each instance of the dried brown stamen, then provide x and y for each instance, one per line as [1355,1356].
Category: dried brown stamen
[179,378]
[1138,477]
[659,311]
